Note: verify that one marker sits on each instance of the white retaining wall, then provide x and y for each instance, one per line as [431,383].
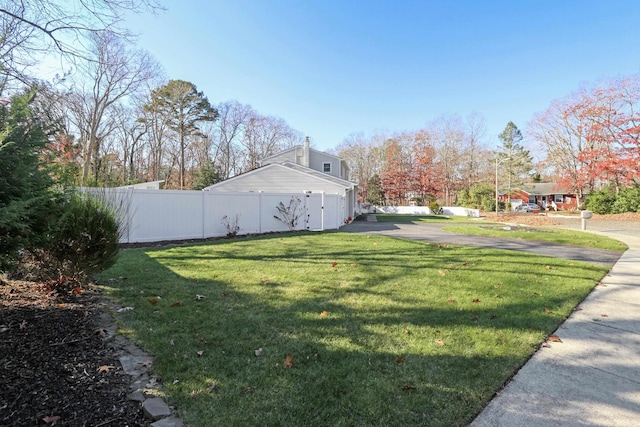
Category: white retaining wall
[159,215]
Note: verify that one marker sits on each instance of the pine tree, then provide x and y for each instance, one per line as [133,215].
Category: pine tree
[25,187]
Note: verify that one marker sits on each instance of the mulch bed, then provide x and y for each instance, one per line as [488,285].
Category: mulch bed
[55,366]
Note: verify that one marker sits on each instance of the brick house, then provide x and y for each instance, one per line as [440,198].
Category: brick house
[547,195]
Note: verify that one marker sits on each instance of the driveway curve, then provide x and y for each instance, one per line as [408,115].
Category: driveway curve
[434,233]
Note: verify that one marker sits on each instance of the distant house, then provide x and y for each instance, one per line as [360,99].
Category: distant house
[547,195]
[299,169]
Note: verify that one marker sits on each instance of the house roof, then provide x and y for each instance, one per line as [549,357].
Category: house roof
[291,166]
[544,188]
[298,146]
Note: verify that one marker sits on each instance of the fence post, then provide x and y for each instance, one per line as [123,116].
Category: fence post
[260,212]
[203,212]
[322,213]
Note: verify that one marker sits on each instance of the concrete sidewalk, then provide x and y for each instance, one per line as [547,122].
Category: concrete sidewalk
[592,377]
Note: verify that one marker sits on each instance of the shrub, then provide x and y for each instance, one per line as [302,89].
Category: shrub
[628,200]
[84,239]
[601,202]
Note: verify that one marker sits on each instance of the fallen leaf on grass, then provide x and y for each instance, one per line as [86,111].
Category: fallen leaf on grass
[476,300]
[225,294]
[554,338]
[334,264]
[324,313]
[408,388]
[547,267]
[442,272]
[153,301]
[288,362]
[451,300]
[438,341]
[176,304]
[400,360]
[264,279]
[105,368]
[407,331]
[51,419]
[546,310]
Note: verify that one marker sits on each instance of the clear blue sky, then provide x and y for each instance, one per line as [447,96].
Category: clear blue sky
[331,68]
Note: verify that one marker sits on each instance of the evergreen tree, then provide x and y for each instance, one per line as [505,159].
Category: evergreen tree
[207,175]
[25,188]
[182,108]
[511,153]
[375,193]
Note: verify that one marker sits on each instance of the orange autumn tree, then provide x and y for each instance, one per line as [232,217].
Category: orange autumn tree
[427,174]
[592,137]
[397,176]
[411,170]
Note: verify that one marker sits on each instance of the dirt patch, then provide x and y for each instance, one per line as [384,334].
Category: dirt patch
[56,367]
[542,220]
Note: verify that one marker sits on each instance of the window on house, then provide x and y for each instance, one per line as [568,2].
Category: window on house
[326,167]
[558,198]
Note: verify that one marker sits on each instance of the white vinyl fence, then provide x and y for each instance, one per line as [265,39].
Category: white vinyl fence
[424,210]
[160,215]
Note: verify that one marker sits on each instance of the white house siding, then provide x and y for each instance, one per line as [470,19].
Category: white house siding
[277,179]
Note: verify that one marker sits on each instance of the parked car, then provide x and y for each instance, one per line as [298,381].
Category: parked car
[528,207]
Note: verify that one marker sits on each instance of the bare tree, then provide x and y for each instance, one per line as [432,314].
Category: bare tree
[227,134]
[33,29]
[264,136]
[448,136]
[115,73]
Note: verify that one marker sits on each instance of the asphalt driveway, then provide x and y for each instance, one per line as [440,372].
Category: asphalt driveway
[434,233]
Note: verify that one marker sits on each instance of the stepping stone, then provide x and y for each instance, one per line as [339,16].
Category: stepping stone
[168,422]
[156,408]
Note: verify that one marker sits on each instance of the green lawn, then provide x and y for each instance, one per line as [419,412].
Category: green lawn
[378,331]
[553,235]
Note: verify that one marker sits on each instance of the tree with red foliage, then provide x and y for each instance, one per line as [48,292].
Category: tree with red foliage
[593,136]
[396,177]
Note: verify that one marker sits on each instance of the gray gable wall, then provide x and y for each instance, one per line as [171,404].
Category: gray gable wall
[277,178]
